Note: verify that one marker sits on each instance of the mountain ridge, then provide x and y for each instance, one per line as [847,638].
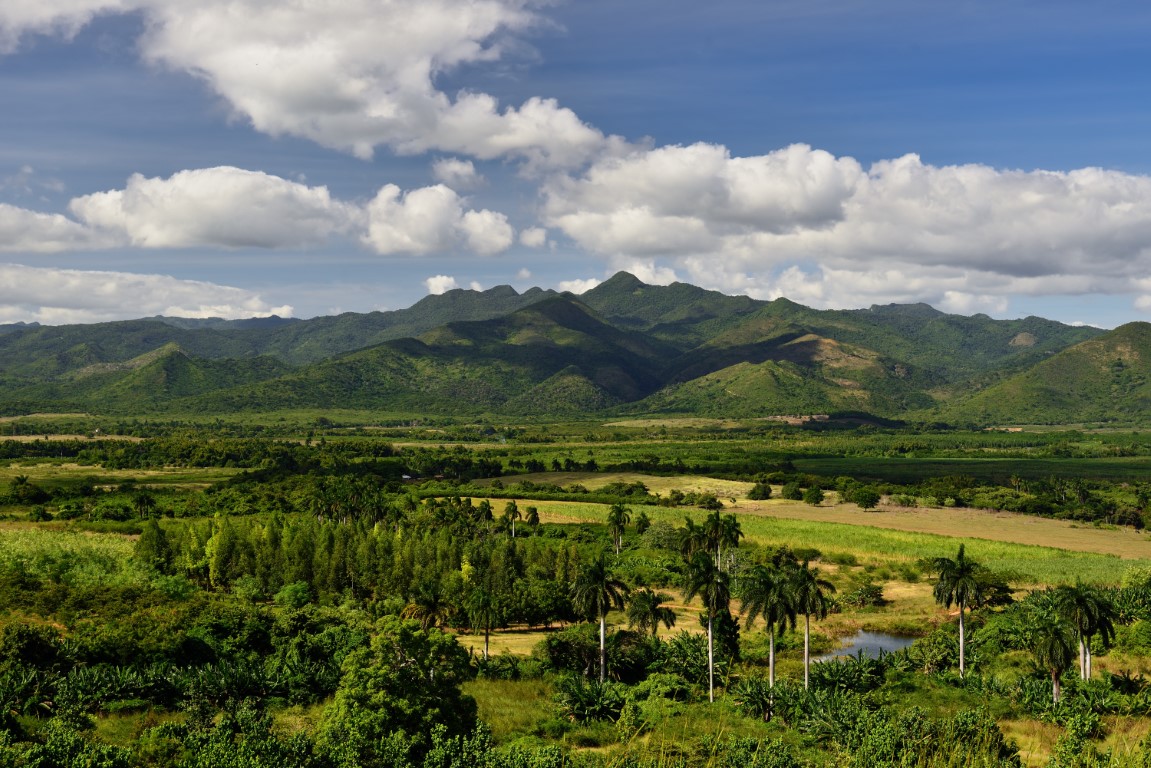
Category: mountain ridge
[623,346]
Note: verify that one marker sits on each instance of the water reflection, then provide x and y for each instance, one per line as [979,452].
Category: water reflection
[871,643]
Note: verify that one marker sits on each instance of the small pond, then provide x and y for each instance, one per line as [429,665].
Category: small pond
[871,643]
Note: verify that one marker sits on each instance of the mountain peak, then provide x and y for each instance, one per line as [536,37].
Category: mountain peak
[907,310]
[619,282]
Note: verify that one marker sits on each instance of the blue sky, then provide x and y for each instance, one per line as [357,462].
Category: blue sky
[215,159]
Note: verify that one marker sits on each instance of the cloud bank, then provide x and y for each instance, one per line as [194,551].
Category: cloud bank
[228,207]
[362,75]
[55,296]
[824,230]
[351,76]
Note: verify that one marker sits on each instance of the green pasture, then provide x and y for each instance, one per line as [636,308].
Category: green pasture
[50,475]
[1026,564]
[997,470]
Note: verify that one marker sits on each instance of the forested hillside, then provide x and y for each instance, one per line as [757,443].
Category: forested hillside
[622,347]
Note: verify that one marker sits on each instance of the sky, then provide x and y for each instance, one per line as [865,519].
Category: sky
[238,158]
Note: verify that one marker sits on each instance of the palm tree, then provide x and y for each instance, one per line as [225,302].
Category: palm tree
[691,538]
[512,513]
[645,611]
[809,594]
[765,591]
[1052,645]
[703,578]
[721,531]
[144,504]
[428,606]
[642,522]
[1091,613]
[594,593]
[617,519]
[960,583]
[483,611]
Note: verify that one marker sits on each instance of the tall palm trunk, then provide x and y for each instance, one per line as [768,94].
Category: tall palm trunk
[962,643]
[710,664]
[1054,687]
[771,658]
[806,650]
[602,648]
[1082,658]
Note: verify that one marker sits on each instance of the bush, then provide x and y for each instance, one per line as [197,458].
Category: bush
[582,700]
[813,496]
[759,492]
[295,595]
[792,492]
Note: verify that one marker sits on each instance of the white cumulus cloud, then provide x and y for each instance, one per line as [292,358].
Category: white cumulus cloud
[25,231]
[534,237]
[438,284]
[55,296]
[225,206]
[233,208]
[578,286]
[460,175]
[432,220]
[60,17]
[824,230]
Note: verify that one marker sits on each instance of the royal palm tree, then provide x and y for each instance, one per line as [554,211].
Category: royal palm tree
[1091,613]
[617,519]
[765,591]
[483,611]
[691,539]
[720,531]
[960,583]
[646,611]
[595,592]
[703,578]
[1052,644]
[809,594]
[511,514]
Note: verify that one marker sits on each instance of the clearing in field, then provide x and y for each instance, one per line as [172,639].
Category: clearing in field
[965,523]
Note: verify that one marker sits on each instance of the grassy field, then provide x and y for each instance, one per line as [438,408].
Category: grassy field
[69,555]
[50,475]
[995,469]
[1051,551]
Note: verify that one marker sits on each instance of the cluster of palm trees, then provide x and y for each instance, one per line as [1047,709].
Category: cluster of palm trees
[778,592]
[1060,617]
[782,589]
[1064,615]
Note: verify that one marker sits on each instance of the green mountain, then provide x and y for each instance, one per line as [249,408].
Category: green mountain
[149,382]
[472,367]
[1107,378]
[624,347]
[34,352]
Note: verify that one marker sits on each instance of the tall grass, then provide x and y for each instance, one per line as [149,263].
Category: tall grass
[70,557]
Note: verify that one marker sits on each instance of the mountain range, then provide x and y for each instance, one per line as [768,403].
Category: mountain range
[623,347]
